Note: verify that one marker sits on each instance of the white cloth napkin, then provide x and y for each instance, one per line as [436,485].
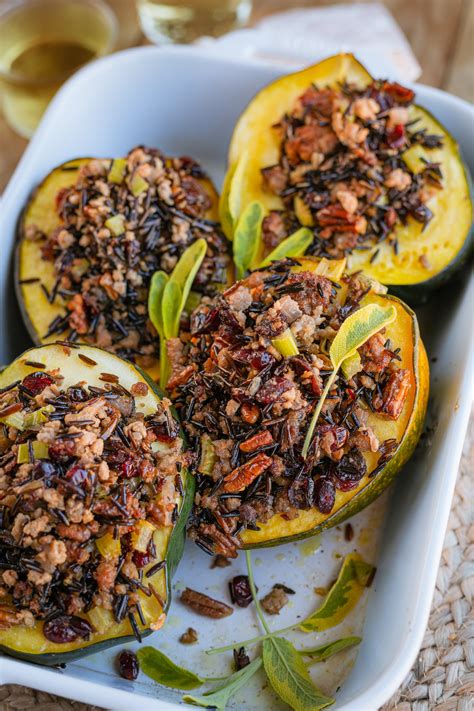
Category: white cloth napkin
[304,36]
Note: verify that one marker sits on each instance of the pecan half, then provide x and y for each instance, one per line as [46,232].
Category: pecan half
[205,605]
[261,439]
[240,478]
[395,393]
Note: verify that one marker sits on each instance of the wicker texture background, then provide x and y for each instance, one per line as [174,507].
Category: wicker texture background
[442,677]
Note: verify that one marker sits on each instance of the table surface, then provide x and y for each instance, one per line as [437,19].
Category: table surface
[439,31]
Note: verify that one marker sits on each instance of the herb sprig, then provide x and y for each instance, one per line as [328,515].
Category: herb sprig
[284,665]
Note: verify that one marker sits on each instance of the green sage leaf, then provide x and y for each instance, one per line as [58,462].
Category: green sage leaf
[155,299]
[289,677]
[293,246]
[324,651]
[353,333]
[179,285]
[247,238]
[357,329]
[225,215]
[218,696]
[344,595]
[161,669]
[170,308]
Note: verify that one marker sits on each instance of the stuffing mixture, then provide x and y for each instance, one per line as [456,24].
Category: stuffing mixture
[246,408]
[341,169]
[80,472]
[120,222]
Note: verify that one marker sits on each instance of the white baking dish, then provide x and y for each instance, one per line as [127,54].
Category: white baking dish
[185,102]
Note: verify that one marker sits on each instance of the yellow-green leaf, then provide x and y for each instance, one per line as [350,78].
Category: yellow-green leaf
[352,365]
[158,667]
[289,676]
[324,651]
[293,246]
[225,215]
[170,308]
[247,238]
[155,299]
[343,596]
[353,333]
[357,329]
[219,696]
[235,188]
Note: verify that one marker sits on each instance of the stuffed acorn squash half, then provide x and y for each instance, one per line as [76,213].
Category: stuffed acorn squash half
[94,233]
[375,177]
[93,502]
[303,391]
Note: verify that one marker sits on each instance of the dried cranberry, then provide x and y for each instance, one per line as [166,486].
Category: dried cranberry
[228,317]
[258,359]
[399,93]
[61,450]
[240,591]
[76,475]
[37,382]
[65,629]
[123,461]
[350,470]
[273,389]
[324,495]
[166,431]
[77,394]
[204,322]
[128,665]
[141,559]
[241,658]
[396,137]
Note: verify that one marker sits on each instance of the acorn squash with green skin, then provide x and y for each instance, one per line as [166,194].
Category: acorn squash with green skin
[427,257]
[29,643]
[41,212]
[403,333]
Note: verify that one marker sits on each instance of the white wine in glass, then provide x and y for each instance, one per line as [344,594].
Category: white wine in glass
[183,21]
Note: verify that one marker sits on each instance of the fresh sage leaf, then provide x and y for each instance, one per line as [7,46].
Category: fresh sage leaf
[219,696]
[324,651]
[293,246]
[225,215]
[161,669]
[155,299]
[247,238]
[343,596]
[289,677]
[170,306]
[357,329]
[353,333]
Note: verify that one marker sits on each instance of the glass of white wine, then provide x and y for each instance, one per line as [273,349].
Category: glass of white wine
[42,42]
[183,21]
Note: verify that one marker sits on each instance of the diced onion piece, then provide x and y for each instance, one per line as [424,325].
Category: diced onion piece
[141,536]
[16,420]
[116,225]
[117,171]
[138,185]
[100,619]
[40,451]
[286,344]
[208,456]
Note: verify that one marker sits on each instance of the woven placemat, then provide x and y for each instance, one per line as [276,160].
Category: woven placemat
[442,677]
